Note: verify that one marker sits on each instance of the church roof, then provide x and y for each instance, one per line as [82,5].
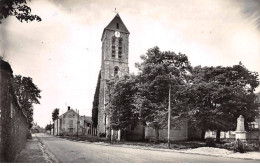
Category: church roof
[113,25]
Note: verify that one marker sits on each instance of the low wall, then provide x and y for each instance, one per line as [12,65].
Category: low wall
[13,123]
[230,135]
[176,134]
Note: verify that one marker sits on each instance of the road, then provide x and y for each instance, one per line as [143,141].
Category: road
[66,151]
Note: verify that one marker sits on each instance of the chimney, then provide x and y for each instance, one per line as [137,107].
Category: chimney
[68,108]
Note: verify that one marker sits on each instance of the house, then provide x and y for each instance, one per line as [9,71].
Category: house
[71,123]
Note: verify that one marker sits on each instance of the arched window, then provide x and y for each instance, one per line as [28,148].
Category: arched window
[120,46]
[116,71]
[113,47]
[117,26]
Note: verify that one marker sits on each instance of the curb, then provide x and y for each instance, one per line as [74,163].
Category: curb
[47,154]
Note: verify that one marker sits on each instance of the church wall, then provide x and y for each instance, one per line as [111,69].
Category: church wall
[101,125]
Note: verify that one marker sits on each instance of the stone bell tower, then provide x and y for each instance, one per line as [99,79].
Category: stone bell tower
[115,43]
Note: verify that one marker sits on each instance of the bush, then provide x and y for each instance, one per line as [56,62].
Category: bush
[239,146]
[210,142]
[251,146]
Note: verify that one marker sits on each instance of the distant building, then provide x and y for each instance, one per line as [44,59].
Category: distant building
[71,123]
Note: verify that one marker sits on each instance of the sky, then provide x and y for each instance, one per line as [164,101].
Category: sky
[62,53]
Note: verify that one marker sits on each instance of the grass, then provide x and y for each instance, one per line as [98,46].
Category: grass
[161,145]
[177,145]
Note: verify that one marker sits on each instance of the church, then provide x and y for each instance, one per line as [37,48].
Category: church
[115,46]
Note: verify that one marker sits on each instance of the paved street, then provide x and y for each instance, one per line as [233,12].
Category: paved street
[80,152]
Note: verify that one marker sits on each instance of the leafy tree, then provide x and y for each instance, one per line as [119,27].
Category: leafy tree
[96,102]
[122,102]
[220,95]
[55,116]
[17,8]
[48,127]
[158,71]
[27,94]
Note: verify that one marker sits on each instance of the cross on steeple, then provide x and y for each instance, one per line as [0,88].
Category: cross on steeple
[115,11]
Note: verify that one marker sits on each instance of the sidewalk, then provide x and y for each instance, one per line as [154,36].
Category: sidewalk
[32,153]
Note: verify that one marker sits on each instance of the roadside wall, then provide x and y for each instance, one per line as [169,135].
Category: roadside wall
[177,133]
[13,123]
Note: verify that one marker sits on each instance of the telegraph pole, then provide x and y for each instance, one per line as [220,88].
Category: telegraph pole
[84,128]
[78,124]
[169,118]
[50,127]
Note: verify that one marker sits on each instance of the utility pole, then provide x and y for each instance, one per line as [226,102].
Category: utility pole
[77,123]
[50,127]
[84,127]
[169,118]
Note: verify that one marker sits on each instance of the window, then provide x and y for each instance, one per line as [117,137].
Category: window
[117,26]
[11,111]
[120,48]
[71,123]
[113,47]
[116,70]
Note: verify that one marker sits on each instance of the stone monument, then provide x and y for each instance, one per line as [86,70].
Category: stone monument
[240,131]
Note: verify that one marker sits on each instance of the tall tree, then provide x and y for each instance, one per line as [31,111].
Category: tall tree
[158,71]
[122,102]
[55,116]
[220,95]
[96,102]
[27,94]
[17,8]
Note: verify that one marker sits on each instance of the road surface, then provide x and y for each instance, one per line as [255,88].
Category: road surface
[66,151]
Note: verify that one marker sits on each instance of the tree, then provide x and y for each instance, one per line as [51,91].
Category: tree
[220,95]
[55,116]
[96,103]
[158,71]
[17,8]
[49,127]
[27,94]
[122,102]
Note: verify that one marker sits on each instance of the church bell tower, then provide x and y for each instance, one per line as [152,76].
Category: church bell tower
[115,44]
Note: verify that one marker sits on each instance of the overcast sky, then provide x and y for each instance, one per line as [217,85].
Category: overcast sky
[62,53]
